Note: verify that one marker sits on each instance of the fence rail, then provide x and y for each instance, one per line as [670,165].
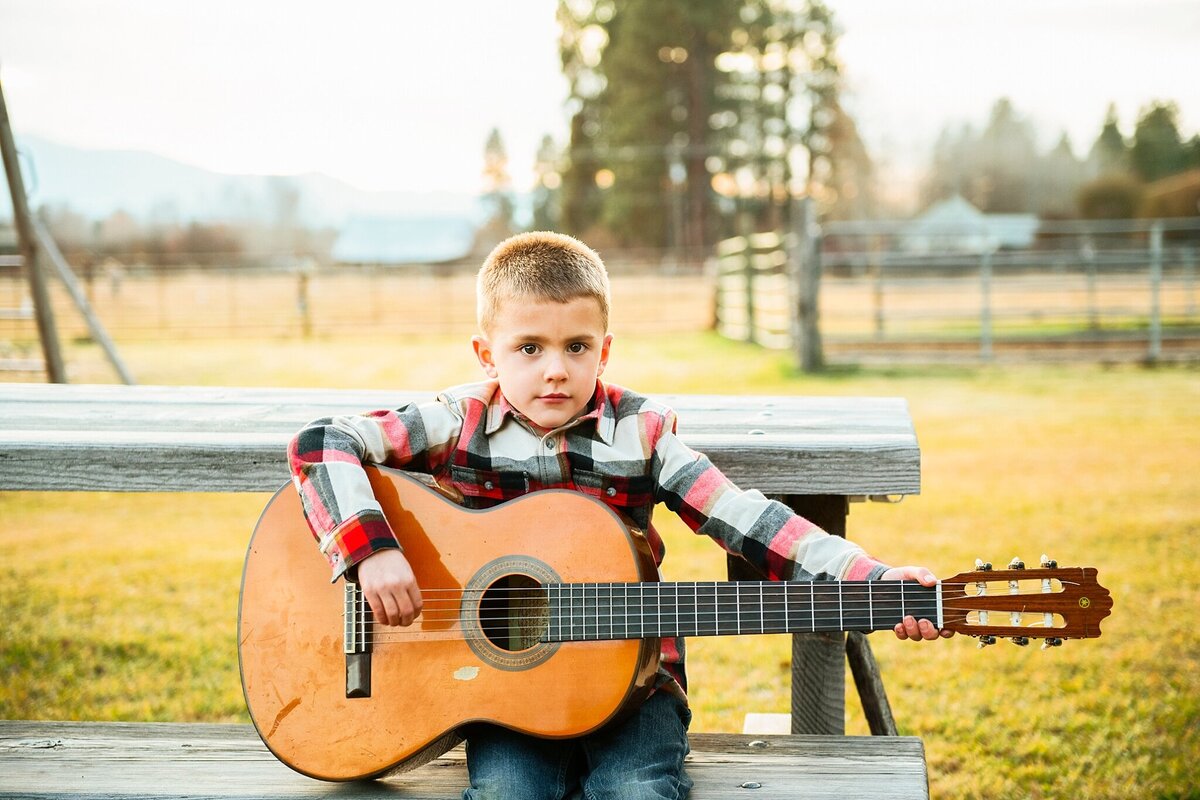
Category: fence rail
[210,302]
[1128,285]
[854,289]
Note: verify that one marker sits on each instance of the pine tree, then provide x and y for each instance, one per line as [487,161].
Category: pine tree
[547,183]
[1158,149]
[1109,152]
[497,183]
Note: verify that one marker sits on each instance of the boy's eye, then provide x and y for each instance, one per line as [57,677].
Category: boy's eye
[576,347]
[529,349]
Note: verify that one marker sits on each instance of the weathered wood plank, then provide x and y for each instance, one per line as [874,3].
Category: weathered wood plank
[62,760]
[155,438]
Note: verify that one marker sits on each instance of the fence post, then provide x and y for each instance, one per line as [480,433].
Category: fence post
[805,268]
[748,274]
[985,310]
[877,287]
[1088,253]
[1189,282]
[1156,269]
[39,292]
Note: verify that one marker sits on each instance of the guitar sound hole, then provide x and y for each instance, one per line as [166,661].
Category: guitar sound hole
[514,613]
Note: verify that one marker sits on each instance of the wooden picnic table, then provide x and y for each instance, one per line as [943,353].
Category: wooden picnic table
[816,454]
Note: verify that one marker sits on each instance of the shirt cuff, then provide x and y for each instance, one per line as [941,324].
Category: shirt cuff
[360,536]
[865,568]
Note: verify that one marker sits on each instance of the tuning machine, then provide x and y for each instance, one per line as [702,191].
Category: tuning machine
[985,640]
[1020,641]
[1052,641]
[1048,563]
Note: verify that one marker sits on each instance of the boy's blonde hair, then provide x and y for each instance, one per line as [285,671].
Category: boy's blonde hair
[548,266]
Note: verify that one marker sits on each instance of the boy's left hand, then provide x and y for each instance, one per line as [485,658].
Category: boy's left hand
[911,628]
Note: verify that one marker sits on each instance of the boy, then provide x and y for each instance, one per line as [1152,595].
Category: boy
[543,419]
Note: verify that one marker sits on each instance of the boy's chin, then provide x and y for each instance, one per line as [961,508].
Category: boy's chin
[552,418]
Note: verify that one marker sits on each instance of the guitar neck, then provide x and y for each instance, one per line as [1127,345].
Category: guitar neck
[599,611]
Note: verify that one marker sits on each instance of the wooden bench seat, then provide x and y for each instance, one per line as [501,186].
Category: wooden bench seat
[61,760]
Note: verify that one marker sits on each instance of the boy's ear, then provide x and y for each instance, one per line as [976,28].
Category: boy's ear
[483,352]
[604,350]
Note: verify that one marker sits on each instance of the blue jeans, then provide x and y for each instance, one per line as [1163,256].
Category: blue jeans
[639,757]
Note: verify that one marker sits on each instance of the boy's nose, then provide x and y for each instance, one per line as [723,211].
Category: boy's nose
[556,369]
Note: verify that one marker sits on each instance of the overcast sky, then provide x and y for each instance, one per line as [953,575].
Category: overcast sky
[401,95]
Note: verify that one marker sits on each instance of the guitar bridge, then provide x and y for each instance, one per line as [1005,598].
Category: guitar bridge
[356,641]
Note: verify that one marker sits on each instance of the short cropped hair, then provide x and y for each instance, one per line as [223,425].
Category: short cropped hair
[547,266]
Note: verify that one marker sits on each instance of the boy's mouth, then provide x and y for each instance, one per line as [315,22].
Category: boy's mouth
[556,396]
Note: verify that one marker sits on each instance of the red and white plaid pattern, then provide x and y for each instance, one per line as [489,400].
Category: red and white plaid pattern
[623,451]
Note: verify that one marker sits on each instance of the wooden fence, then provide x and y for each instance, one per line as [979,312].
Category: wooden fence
[1086,290]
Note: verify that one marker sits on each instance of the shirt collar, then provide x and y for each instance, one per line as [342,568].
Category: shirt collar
[499,409]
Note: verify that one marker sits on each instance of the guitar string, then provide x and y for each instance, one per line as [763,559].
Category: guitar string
[451,615]
[596,621]
[455,599]
[1035,629]
[593,620]
[877,587]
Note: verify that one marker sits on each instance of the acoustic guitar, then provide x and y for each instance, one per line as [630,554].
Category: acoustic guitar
[542,614]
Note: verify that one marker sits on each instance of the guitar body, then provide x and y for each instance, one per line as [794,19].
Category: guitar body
[451,666]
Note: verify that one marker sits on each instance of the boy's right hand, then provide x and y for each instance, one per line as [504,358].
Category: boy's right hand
[388,583]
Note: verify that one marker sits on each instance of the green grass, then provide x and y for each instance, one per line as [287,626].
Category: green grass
[124,606]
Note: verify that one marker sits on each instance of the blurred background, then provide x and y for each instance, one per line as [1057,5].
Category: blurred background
[988,209]
[973,178]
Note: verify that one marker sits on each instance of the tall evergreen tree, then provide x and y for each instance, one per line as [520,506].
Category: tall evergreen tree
[1007,154]
[670,98]
[1109,152]
[546,188]
[497,183]
[1158,149]
[1057,180]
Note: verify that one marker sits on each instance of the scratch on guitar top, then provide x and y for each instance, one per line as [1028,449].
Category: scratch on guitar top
[283,712]
[466,673]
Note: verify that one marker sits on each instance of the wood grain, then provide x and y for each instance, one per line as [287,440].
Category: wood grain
[69,760]
[157,438]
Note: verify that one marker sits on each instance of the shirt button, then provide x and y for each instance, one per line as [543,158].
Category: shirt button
[549,444]
[489,485]
[611,491]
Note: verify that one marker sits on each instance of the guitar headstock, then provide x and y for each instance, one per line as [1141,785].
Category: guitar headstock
[1052,603]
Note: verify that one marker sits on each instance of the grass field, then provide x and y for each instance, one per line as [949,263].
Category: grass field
[124,606]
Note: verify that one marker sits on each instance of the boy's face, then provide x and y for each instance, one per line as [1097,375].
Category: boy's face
[546,355]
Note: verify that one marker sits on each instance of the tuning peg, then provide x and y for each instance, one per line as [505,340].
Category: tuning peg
[1020,641]
[983,566]
[986,640]
[1052,641]
[1016,563]
[1048,563]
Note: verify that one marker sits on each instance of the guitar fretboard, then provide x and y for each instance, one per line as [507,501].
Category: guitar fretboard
[597,611]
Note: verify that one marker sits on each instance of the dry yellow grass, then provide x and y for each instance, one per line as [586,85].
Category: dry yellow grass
[123,606]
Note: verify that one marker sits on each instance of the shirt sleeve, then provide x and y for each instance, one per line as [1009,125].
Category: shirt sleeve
[326,460]
[774,539]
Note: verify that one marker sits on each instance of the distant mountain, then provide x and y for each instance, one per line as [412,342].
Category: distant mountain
[96,183]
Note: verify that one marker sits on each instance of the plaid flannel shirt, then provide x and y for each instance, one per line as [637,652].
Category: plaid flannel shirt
[624,451]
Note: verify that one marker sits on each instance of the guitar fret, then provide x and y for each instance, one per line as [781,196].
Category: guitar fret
[673,622]
[787,617]
[762,609]
[812,601]
[871,606]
